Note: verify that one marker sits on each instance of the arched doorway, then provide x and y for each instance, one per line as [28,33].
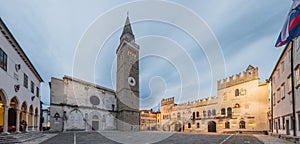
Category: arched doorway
[75,120]
[30,114]
[12,114]
[177,126]
[95,122]
[36,115]
[2,110]
[23,116]
[212,126]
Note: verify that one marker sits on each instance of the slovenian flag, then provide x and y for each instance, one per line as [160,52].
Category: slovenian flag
[291,28]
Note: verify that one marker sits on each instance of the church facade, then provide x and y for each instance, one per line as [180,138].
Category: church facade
[79,105]
[241,105]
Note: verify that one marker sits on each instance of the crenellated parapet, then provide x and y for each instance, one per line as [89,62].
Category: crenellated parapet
[250,74]
[167,101]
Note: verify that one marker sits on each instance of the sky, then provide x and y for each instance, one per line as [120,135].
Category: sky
[185,46]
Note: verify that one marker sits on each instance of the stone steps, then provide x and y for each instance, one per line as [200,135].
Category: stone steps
[19,138]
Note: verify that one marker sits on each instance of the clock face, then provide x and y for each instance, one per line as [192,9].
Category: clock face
[131,81]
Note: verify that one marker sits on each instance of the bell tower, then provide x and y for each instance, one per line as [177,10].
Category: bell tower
[128,81]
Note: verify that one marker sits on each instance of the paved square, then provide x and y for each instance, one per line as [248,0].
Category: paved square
[114,137]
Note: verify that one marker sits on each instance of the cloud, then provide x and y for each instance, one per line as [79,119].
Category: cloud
[49,32]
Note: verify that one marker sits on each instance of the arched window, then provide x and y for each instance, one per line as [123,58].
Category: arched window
[193,115]
[208,113]
[229,112]
[189,125]
[197,114]
[204,113]
[227,125]
[223,111]
[178,115]
[237,92]
[95,117]
[213,112]
[242,124]
[198,125]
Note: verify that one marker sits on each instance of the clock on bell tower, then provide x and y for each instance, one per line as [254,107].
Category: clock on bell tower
[127,81]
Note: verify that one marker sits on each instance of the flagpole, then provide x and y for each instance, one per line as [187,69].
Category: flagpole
[293,90]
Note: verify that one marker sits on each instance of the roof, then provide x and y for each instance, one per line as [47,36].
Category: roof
[8,35]
[89,83]
[127,27]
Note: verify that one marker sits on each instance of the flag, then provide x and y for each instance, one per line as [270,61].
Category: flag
[291,28]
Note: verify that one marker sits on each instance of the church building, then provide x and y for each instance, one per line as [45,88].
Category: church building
[79,105]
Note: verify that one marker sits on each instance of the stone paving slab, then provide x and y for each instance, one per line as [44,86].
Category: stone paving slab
[266,139]
[116,137]
[40,139]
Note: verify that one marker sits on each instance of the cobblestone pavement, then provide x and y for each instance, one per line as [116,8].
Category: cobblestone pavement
[115,137]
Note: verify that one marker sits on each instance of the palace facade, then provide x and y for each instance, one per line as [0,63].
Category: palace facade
[241,105]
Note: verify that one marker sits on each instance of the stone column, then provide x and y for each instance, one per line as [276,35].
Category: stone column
[32,121]
[18,121]
[5,119]
[26,119]
[38,122]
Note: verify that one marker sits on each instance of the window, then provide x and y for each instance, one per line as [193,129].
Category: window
[204,113]
[213,112]
[299,122]
[189,125]
[197,114]
[242,124]
[198,125]
[3,60]
[227,125]
[193,115]
[292,124]
[274,98]
[208,113]
[178,115]
[282,66]
[278,95]
[282,89]
[283,123]
[32,87]
[289,84]
[229,112]
[223,111]
[25,81]
[297,75]
[237,92]
[37,92]
[278,123]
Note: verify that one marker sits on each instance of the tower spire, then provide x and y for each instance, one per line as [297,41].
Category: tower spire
[127,33]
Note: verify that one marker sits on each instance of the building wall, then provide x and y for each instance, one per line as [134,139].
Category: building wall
[76,101]
[149,120]
[13,77]
[250,106]
[282,91]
